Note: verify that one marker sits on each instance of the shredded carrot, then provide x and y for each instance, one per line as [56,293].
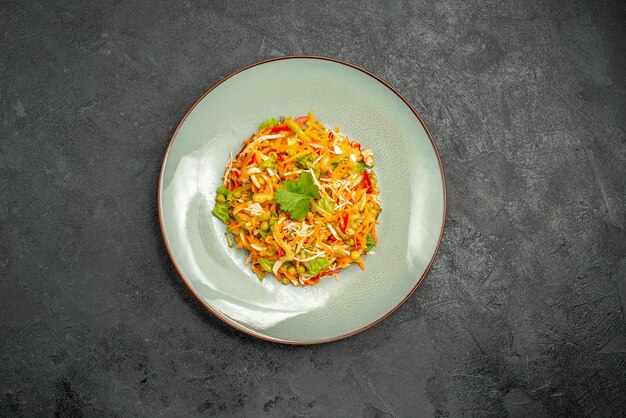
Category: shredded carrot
[359,194]
[313,282]
[297,155]
[257,271]
[337,172]
[313,236]
[289,276]
[360,262]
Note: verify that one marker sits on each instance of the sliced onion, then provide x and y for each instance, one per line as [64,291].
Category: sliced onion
[277,265]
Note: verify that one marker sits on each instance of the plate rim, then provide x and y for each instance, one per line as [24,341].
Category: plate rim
[188,284]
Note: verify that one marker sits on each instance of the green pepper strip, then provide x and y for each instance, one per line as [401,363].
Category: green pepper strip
[317,208]
[294,127]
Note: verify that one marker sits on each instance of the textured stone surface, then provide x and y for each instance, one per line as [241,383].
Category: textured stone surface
[522,314]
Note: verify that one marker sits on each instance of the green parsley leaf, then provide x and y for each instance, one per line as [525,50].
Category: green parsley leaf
[295,196]
[295,203]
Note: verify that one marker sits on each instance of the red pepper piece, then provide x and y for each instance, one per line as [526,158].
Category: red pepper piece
[344,222]
[279,128]
[367,182]
[283,127]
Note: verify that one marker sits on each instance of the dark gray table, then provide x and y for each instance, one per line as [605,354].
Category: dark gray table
[522,314]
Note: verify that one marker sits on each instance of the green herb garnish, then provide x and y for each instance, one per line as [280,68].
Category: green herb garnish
[295,196]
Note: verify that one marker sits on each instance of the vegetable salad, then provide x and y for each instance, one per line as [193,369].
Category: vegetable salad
[302,199]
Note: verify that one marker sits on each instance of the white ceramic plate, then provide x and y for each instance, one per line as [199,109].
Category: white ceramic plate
[410,178]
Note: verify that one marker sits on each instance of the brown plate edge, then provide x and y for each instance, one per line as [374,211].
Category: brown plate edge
[248,331]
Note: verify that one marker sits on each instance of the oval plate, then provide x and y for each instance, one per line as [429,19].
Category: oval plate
[410,178]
